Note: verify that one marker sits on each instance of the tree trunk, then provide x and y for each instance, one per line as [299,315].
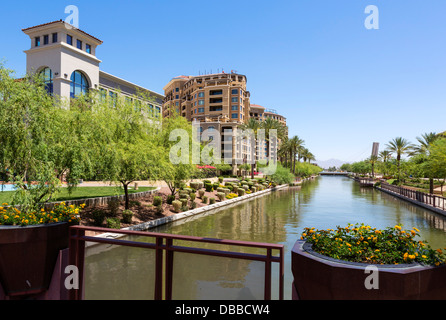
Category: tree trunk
[126,192]
[431,185]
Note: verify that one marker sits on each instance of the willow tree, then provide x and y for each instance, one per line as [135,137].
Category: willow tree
[176,141]
[29,126]
[128,140]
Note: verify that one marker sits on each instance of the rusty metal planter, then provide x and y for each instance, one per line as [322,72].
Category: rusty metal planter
[317,277]
[28,256]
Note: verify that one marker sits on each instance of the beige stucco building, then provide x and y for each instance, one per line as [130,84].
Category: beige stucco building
[66,58]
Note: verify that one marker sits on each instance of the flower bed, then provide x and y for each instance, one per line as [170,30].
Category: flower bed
[11,216]
[364,244]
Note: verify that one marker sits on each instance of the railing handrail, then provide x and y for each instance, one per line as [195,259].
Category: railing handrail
[77,251]
[420,196]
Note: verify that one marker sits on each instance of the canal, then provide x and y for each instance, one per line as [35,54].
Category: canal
[113,272]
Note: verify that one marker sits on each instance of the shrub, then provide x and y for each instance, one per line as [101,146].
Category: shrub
[113,223]
[113,207]
[184,208]
[177,206]
[241,192]
[221,196]
[157,200]
[282,175]
[193,205]
[127,216]
[98,217]
[220,179]
[360,243]
[205,199]
[201,193]
[170,199]
[195,185]
[211,200]
[192,196]
[159,209]
[226,191]
[209,187]
[184,196]
[184,202]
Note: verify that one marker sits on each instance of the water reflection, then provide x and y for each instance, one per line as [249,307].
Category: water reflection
[276,218]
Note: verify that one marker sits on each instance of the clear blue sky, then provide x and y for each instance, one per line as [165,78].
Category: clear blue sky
[341,86]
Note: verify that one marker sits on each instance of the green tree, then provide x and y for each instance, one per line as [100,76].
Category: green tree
[176,174]
[29,128]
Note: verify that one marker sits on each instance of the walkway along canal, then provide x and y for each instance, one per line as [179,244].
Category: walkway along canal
[114,272]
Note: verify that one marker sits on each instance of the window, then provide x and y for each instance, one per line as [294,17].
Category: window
[211,128]
[234,116]
[69,40]
[201,94]
[37,42]
[54,37]
[200,110]
[177,97]
[102,94]
[177,89]
[113,98]
[47,77]
[88,48]
[234,108]
[235,99]
[201,102]
[46,39]
[234,91]
[79,44]
[79,84]
[157,112]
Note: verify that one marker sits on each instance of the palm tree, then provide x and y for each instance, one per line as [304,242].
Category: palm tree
[254,125]
[272,124]
[425,141]
[399,146]
[385,155]
[284,151]
[296,145]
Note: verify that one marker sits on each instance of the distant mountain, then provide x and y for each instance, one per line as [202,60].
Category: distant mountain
[325,164]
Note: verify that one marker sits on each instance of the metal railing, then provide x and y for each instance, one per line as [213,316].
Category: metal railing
[422,197]
[164,253]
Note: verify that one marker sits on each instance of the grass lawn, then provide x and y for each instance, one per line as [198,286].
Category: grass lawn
[80,193]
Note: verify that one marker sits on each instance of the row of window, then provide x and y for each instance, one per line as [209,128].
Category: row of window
[46,39]
[54,38]
[79,44]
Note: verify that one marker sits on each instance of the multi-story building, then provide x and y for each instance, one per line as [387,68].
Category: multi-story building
[220,96]
[66,58]
[221,104]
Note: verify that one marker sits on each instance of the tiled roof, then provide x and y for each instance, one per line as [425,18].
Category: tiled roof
[61,21]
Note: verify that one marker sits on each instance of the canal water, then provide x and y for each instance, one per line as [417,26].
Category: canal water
[114,272]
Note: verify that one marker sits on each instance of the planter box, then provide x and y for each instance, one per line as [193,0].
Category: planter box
[317,277]
[28,256]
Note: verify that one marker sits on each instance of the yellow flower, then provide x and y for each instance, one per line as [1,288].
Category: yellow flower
[398,227]
[416,230]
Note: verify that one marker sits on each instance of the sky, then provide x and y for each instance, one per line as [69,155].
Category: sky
[340,85]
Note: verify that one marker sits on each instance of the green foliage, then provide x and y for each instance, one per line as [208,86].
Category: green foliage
[113,223]
[98,216]
[127,216]
[204,199]
[211,200]
[282,175]
[157,200]
[177,206]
